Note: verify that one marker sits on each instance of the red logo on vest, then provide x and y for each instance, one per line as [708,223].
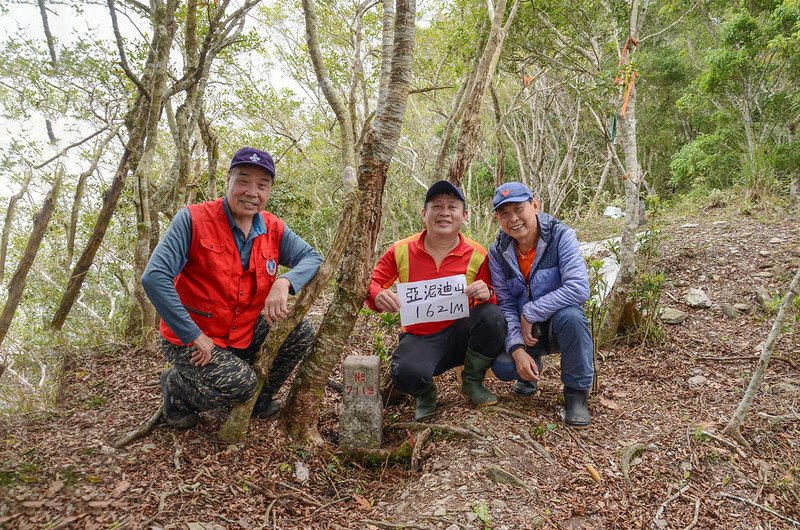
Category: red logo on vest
[272,267]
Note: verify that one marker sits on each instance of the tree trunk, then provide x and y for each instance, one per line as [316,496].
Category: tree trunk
[236,424]
[78,199]
[12,208]
[323,78]
[734,425]
[623,285]
[305,398]
[470,124]
[17,285]
[456,112]
[500,148]
[148,103]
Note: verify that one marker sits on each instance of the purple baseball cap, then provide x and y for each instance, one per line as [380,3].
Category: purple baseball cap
[511,192]
[254,157]
[441,188]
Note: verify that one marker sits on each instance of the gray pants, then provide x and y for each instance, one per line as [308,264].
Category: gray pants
[229,378]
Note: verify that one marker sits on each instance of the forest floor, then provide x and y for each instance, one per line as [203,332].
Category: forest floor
[58,469]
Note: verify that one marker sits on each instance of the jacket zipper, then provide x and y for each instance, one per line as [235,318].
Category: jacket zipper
[198,312]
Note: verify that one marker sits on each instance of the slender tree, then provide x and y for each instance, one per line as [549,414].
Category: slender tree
[733,428]
[305,399]
[17,285]
[623,285]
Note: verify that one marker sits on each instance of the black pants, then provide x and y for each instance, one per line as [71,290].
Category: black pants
[420,357]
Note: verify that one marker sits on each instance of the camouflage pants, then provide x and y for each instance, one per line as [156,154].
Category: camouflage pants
[229,378]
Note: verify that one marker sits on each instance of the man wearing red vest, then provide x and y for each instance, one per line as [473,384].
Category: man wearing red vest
[428,349]
[213,279]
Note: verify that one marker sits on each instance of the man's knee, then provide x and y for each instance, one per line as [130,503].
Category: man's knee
[570,319]
[301,339]
[490,322]
[238,385]
[505,368]
[410,377]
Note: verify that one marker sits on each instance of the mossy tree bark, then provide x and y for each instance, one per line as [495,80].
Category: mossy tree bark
[235,426]
[305,398]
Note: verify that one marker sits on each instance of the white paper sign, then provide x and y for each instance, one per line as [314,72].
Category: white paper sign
[433,300]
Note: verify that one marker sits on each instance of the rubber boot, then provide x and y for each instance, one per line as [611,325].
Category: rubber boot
[576,407]
[527,388]
[426,402]
[475,366]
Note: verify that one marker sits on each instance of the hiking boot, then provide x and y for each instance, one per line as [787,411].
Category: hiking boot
[527,388]
[426,402]
[475,367]
[576,407]
[176,413]
[266,408]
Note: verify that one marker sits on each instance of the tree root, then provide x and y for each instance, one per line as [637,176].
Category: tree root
[761,507]
[536,446]
[736,435]
[387,524]
[499,475]
[661,508]
[378,457]
[629,454]
[419,445]
[780,419]
[437,428]
[140,431]
[509,412]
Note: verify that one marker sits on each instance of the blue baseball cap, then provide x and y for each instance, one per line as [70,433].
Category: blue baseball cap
[511,192]
[253,157]
[443,187]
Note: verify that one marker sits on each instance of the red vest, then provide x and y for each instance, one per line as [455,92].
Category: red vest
[222,299]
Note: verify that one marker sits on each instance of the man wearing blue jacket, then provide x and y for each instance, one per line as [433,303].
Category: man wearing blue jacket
[541,282]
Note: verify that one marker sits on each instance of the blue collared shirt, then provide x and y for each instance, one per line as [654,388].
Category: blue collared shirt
[244,242]
[172,253]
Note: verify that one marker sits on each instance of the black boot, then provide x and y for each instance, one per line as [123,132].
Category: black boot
[176,412]
[265,407]
[576,407]
[426,402]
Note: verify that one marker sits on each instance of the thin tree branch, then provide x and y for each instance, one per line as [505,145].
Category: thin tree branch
[123,60]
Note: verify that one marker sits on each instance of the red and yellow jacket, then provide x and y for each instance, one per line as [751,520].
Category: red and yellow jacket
[408,261]
[221,298]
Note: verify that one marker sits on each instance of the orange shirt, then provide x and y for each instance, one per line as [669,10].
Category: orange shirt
[407,260]
[526,262]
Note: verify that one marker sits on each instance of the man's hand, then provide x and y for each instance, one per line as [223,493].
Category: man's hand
[388,301]
[526,366]
[276,307]
[527,332]
[204,347]
[478,290]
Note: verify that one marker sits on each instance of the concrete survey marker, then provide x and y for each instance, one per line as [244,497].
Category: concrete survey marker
[361,421]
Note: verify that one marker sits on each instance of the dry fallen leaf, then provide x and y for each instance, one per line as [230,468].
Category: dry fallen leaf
[121,488]
[594,473]
[607,403]
[54,488]
[362,502]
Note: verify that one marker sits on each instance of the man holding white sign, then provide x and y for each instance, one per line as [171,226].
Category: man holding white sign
[446,303]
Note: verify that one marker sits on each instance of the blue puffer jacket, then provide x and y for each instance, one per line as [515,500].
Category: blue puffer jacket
[558,276]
